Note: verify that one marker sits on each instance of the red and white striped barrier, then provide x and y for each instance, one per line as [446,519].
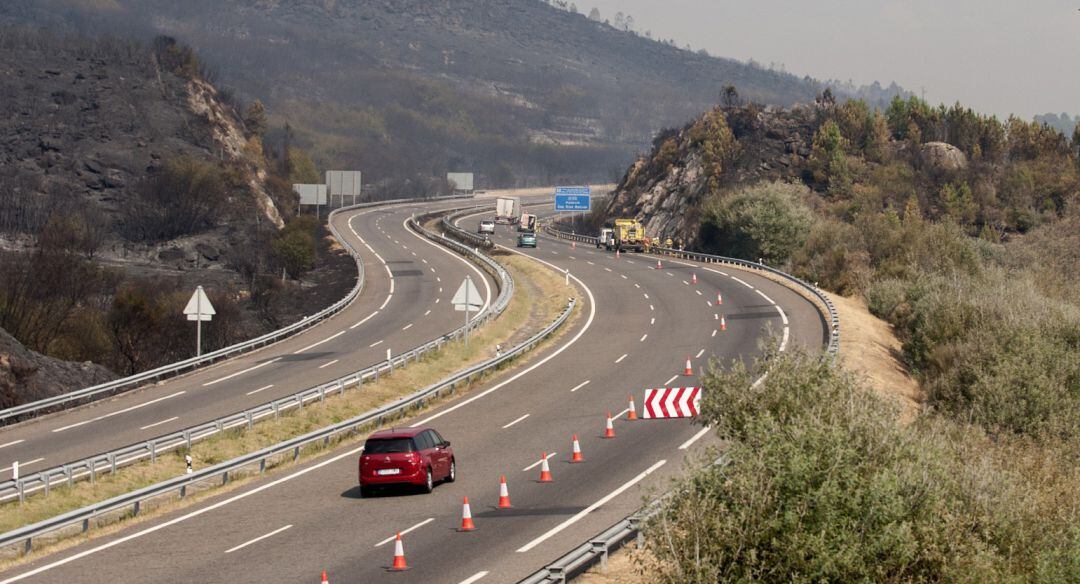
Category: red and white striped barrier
[672,402]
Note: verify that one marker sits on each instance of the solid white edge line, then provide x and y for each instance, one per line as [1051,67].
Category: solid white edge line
[472,266]
[531,368]
[22,464]
[537,463]
[413,528]
[475,577]
[577,517]
[180,519]
[313,345]
[148,426]
[365,319]
[118,412]
[767,299]
[248,370]
[695,438]
[258,539]
[783,316]
[12,443]
[387,301]
[783,342]
[515,421]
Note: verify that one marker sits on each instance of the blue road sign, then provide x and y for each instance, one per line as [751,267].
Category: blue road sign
[572,198]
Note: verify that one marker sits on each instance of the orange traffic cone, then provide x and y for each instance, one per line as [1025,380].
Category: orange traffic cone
[616,254]
[504,493]
[693,278]
[723,323]
[576,457]
[609,430]
[573,245]
[632,414]
[545,470]
[399,556]
[719,299]
[325,580]
[659,265]
[689,370]
[466,517]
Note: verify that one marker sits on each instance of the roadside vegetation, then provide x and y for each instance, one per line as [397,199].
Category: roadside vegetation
[963,232]
[539,298]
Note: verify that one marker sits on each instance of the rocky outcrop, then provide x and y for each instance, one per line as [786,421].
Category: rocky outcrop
[28,376]
[939,156]
[667,189]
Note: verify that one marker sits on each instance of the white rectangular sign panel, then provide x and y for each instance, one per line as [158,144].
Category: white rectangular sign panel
[463,181]
[344,183]
[311,194]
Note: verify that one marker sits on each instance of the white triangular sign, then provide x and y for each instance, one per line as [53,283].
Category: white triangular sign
[475,300]
[199,307]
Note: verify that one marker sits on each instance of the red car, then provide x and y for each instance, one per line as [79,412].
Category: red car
[406,456]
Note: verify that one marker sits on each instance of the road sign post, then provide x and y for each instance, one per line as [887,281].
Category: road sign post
[467,298]
[199,309]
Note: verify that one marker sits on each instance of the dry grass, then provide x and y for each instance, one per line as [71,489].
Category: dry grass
[537,301]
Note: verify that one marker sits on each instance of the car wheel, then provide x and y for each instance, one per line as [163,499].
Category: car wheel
[429,484]
[452,475]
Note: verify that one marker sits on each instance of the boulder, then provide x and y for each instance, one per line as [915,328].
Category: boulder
[941,156]
[209,252]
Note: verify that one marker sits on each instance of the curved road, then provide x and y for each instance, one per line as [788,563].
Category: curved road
[409,282]
[638,326]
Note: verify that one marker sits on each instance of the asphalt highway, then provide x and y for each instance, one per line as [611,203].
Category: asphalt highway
[405,302]
[638,326]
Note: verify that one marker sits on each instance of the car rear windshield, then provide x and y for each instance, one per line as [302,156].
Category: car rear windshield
[388,445]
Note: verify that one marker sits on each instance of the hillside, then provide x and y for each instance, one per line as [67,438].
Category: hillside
[126,180]
[962,233]
[517,90]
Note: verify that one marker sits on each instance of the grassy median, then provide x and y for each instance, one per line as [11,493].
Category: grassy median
[540,296]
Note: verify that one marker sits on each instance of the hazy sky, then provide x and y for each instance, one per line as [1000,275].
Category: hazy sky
[995,56]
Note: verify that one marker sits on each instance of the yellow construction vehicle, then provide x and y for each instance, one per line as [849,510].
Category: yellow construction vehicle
[628,234]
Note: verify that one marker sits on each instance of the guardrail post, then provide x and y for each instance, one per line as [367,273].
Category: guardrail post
[86,525]
[639,537]
[600,547]
[322,395]
[47,477]
[151,445]
[262,466]
[22,491]
[93,471]
[183,491]
[275,406]
[70,476]
[112,463]
[250,419]
[187,438]
[135,511]
[296,453]
[558,573]
[28,546]
[224,478]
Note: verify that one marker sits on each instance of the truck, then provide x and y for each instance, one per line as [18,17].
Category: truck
[606,240]
[527,223]
[628,234]
[507,210]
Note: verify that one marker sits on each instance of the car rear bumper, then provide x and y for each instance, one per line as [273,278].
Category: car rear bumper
[417,478]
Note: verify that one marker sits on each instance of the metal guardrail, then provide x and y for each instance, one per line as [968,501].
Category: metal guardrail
[131,502]
[84,395]
[598,548]
[90,467]
[833,345]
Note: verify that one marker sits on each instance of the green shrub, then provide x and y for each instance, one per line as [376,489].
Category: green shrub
[768,221]
[824,485]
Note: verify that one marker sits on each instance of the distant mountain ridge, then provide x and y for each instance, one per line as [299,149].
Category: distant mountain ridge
[516,90]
